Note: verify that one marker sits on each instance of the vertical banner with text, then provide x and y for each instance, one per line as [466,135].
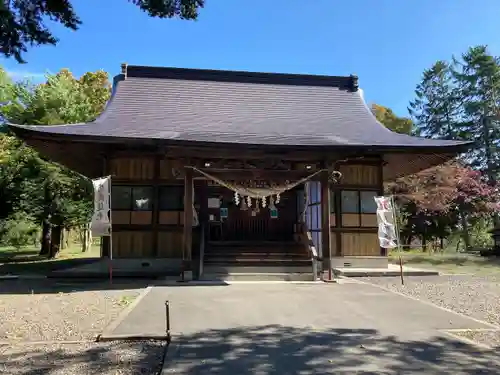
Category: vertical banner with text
[101,220]
[386,219]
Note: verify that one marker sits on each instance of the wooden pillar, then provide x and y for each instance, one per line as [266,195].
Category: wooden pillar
[380,176]
[156,206]
[203,214]
[188,215]
[338,217]
[106,240]
[325,219]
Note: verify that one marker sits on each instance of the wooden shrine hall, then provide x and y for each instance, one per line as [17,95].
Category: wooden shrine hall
[188,149]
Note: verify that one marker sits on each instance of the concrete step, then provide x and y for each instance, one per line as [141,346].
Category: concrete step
[258,262]
[256,268]
[263,250]
[251,276]
[391,271]
[252,243]
[275,255]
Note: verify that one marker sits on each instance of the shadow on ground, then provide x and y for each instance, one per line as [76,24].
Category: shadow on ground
[83,359]
[271,350]
[276,349]
[49,286]
[41,265]
[54,286]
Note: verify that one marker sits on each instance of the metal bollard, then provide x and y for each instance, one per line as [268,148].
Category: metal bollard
[167,320]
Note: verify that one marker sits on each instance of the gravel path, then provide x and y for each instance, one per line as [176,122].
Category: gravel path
[48,328]
[42,311]
[83,359]
[474,296]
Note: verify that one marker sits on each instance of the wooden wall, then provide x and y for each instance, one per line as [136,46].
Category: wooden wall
[360,175]
[153,233]
[133,244]
[360,244]
[158,233]
[355,234]
[133,169]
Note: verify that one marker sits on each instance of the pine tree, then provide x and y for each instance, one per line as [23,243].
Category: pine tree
[477,76]
[435,109]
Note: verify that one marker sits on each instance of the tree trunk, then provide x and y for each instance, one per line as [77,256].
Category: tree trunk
[86,238]
[490,161]
[465,230]
[68,237]
[55,242]
[64,241]
[424,243]
[45,241]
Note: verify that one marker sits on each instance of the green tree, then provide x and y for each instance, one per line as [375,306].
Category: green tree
[477,76]
[22,22]
[436,107]
[387,117]
[54,196]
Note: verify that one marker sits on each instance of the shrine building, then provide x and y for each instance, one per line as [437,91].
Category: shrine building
[219,171]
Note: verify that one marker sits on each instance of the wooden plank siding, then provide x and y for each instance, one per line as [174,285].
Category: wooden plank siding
[153,233]
[132,168]
[360,244]
[159,233]
[355,234]
[133,244]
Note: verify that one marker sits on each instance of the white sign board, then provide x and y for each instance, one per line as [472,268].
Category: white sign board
[386,220]
[213,203]
[101,220]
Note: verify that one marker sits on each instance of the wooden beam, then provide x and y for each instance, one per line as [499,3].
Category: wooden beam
[325,219]
[188,214]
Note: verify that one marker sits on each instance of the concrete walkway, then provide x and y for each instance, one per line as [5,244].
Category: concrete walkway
[306,329]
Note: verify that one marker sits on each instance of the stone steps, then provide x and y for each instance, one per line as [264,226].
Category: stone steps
[280,261]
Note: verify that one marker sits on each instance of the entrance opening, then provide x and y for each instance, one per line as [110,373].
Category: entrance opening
[247,226]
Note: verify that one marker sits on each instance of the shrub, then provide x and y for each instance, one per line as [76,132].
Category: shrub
[19,230]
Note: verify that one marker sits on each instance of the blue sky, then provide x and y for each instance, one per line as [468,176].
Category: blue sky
[387,43]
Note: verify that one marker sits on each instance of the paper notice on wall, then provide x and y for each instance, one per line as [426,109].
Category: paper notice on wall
[386,220]
[101,219]
[213,203]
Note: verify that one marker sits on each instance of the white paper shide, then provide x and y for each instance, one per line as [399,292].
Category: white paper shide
[386,219]
[101,220]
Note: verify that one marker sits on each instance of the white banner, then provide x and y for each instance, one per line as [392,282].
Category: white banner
[101,220]
[386,220]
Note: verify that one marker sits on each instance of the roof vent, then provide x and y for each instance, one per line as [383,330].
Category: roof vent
[124,70]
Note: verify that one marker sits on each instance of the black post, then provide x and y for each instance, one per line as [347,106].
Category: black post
[167,320]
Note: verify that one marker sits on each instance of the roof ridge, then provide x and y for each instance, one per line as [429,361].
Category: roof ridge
[349,83]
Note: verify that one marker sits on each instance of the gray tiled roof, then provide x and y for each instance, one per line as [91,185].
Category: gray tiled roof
[241,108]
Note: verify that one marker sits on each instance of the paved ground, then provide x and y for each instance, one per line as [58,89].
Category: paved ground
[306,329]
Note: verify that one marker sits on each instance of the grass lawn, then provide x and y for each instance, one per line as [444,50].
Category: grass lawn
[453,263]
[27,261]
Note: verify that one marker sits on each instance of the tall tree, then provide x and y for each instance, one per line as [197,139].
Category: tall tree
[477,76]
[387,117]
[22,22]
[52,195]
[436,106]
